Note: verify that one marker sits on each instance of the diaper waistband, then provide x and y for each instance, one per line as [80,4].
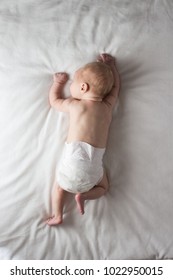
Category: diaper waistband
[83,151]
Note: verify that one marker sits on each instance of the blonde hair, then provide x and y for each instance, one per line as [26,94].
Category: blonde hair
[99,77]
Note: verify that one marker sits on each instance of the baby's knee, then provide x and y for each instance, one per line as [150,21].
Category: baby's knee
[105,183]
[105,188]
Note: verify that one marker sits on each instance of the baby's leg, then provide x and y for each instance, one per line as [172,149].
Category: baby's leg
[96,192]
[57,206]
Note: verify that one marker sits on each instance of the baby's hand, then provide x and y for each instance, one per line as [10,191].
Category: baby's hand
[60,78]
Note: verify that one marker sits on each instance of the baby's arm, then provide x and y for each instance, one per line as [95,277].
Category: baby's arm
[111,98]
[55,93]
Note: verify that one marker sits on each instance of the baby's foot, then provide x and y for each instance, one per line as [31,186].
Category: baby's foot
[53,221]
[60,78]
[80,203]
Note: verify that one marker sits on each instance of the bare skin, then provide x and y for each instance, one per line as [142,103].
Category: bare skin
[96,192]
[58,195]
[85,109]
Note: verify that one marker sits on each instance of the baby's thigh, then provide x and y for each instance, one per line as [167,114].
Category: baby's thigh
[104,182]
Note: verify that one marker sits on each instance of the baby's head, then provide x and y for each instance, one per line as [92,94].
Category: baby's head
[94,80]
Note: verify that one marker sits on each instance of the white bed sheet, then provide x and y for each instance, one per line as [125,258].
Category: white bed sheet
[135,219]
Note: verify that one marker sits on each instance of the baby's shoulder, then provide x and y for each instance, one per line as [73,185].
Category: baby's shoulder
[76,105]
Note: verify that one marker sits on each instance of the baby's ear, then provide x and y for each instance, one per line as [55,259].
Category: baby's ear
[84,87]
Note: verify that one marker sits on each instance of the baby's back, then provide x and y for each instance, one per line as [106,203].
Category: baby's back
[89,122]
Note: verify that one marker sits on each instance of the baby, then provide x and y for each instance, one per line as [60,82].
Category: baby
[94,91]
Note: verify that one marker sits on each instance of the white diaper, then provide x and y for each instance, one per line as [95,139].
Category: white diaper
[80,168]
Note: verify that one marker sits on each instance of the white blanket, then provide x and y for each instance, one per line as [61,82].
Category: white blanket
[135,219]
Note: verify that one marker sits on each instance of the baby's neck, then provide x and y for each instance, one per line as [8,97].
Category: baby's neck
[91,97]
